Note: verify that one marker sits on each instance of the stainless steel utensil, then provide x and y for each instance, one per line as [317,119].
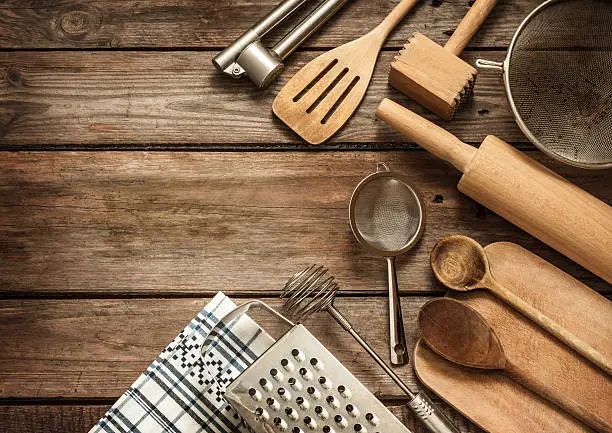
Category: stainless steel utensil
[387,218]
[248,56]
[313,290]
[558,80]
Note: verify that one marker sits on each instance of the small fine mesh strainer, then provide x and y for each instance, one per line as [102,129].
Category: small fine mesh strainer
[558,78]
[387,218]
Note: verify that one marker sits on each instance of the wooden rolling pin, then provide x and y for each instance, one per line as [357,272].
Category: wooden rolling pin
[519,189]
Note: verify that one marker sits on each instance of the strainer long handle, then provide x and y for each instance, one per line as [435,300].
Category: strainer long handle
[420,404]
[397,336]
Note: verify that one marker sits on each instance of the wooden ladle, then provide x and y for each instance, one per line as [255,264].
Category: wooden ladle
[459,333]
[460,263]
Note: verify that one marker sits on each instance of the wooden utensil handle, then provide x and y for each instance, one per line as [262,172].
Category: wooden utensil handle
[469,25]
[551,326]
[436,140]
[394,18]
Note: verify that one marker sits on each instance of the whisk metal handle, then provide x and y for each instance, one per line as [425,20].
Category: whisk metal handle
[397,337]
[420,404]
[347,326]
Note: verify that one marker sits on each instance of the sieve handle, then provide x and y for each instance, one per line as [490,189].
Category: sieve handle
[469,25]
[397,336]
[426,134]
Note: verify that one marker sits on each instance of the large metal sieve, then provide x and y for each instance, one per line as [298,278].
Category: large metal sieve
[558,79]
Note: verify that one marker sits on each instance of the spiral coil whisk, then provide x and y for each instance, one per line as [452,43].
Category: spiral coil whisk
[309,291]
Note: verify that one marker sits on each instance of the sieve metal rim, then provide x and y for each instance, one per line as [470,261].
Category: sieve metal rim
[417,195]
[505,68]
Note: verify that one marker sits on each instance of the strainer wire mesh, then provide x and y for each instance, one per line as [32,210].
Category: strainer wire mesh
[559,78]
[387,214]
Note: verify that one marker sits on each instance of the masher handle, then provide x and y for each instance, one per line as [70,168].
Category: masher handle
[469,25]
[426,134]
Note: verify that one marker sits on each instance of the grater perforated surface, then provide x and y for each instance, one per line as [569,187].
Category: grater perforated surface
[297,386]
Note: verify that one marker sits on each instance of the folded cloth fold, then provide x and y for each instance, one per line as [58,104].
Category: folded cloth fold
[182,391]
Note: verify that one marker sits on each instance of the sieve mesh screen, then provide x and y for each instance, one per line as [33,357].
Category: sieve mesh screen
[560,79]
[387,214]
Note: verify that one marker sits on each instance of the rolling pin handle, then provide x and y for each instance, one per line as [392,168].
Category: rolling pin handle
[426,134]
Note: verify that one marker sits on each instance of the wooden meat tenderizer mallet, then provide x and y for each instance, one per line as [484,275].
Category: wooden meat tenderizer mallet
[435,76]
[521,190]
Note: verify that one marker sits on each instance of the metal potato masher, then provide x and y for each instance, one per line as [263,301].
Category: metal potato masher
[248,56]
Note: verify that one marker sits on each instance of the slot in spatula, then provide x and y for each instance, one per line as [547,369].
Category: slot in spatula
[325,93]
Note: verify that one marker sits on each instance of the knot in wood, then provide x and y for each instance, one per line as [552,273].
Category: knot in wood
[75,22]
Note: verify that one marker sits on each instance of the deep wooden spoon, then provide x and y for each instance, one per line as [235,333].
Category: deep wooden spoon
[459,333]
[460,263]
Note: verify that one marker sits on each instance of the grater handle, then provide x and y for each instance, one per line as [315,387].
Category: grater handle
[435,421]
[233,315]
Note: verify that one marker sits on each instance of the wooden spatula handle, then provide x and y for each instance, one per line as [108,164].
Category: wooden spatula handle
[426,134]
[394,17]
[469,25]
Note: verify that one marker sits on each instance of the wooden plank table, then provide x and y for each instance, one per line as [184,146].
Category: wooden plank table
[136,182]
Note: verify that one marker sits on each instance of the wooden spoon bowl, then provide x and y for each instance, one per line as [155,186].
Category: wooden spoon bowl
[460,334]
[460,263]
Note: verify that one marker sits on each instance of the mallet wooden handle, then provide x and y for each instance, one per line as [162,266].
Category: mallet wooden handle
[436,140]
[469,25]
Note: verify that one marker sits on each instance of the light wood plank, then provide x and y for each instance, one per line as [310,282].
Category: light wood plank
[115,223]
[216,23]
[178,99]
[97,348]
[79,418]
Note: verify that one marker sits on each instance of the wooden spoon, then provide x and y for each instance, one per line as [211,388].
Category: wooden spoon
[325,93]
[462,335]
[460,263]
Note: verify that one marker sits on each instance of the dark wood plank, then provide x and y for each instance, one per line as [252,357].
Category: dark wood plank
[80,418]
[97,348]
[216,23]
[178,99]
[179,223]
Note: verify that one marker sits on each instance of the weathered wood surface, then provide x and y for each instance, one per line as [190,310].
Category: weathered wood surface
[97,348]
[176,223]
[216,23]
[96,99]
[79,418]
[164,224]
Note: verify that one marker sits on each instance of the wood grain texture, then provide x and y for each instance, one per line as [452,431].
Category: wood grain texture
[491,399]
[169,223]
[216,23]
[553,291]
[78,418]
[461,264]
[518,188]
[544,364]
[542,203]
[337,82]
[128,99]
[97,348]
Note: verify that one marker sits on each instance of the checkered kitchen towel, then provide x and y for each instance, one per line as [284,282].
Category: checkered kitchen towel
[180,392]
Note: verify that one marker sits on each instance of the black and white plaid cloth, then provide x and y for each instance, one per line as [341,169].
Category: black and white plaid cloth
[181,392]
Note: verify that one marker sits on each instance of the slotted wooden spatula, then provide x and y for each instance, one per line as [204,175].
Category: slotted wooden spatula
[325,93]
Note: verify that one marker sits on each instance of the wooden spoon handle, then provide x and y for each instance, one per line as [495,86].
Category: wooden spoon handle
[469,25]
[394,18]
[436,140]
[551,326]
